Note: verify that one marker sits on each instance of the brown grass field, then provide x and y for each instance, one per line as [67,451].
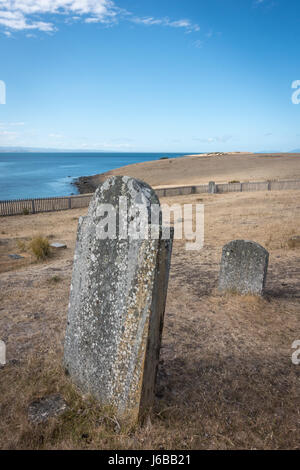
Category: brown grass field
[226,379]
[199,169]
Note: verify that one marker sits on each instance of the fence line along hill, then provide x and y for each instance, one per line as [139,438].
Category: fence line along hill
[33,206]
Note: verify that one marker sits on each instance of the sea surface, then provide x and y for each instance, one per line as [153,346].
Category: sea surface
[35,175]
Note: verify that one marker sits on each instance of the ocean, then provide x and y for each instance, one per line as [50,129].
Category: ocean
[35,175]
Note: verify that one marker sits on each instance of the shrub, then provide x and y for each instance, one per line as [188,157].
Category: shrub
[40,247]
[55,279]
[25,211]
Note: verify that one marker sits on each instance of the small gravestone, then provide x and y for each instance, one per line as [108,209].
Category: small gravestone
[244,267]
[117,299]
[14,256]
[41,410]
[58,246]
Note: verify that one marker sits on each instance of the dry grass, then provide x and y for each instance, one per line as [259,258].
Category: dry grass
[226,380]
[199,169]
[55,279]
[84,422]
[40,248]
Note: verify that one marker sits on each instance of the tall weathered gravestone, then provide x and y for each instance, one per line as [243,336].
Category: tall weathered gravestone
[244,267]
[117,300]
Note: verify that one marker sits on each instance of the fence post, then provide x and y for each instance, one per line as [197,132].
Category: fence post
[212,187]
[70,203]
[32,206]
[269,185]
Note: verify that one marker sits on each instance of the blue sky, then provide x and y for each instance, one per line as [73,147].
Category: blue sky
[150,75]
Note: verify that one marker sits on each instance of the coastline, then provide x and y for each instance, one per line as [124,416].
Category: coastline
[84,185]
[199,169]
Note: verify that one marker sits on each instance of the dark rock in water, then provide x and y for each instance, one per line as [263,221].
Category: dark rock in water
[14,256]
[84,185]
[40,411]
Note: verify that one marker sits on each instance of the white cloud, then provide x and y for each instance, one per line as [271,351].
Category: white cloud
[21,15]
[7,133]
[264,3]
[25,14]
[151,21]
[56,136]
[198,44]
[105,146]
[11,124]
[7,136]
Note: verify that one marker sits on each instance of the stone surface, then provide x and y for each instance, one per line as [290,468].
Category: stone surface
[41,410]
[244,267]
[294,242]
[14,256]
[58,246]
[117,303]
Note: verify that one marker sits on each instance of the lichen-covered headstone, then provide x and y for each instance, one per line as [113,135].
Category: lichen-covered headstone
[117,299]
[244,267]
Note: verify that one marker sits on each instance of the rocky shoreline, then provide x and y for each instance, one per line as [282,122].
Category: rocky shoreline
[84,184]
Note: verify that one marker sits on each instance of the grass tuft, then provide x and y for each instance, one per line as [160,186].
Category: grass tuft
[40,247]
[55,279]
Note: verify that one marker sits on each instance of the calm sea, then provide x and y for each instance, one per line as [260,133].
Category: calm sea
[34,175]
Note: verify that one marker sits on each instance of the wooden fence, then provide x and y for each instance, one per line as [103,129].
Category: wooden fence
[230,187]
[50,204]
